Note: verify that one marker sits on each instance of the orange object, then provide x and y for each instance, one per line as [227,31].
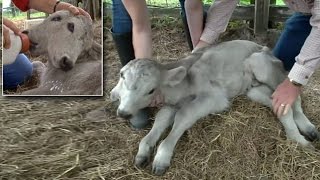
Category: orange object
[25,42]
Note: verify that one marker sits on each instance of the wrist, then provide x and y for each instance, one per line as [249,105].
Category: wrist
[295,83]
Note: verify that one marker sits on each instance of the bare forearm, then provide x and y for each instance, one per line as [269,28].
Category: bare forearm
[42,5]
[218,17]
[194,13]
[141,28]
[47,6]
[142,43]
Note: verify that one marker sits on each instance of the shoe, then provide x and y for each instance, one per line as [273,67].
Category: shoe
[124,46]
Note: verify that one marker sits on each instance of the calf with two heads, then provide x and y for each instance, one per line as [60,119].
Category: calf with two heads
[201,84]
[74,59]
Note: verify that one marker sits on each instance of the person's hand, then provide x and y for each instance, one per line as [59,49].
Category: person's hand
[200,44]
[157,100]
[284,96]
[6,38]
[8,25]
[74,10]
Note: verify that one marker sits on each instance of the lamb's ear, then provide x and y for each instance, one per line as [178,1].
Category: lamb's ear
[175,76]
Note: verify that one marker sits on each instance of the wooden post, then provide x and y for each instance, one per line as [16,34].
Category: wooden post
[261,16]
[271,24]
[251,23]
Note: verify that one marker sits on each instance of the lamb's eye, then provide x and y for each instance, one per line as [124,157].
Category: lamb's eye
[71,27]
[151,91]
[57,18]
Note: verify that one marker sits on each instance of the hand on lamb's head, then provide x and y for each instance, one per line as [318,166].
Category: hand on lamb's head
[74,10]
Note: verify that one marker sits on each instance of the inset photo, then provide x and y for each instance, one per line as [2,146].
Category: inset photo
[52,48]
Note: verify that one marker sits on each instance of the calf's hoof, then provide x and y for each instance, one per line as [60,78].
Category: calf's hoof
[312,134]
[159,170]
[141,161]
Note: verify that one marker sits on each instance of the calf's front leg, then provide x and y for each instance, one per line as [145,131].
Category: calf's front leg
[163,120]
[185,117]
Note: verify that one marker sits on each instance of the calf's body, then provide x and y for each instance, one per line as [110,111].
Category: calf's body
[201,84]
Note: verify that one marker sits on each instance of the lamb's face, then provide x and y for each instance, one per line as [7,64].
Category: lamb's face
[63,37]
[135,89]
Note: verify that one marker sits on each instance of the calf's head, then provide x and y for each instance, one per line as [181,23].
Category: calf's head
[63,37]
[139,80]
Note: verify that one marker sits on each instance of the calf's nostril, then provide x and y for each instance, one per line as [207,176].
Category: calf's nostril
[124,114]
[66,63]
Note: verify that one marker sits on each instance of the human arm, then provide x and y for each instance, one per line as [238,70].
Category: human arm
[307,62]
[141,27]
[47,6]
[218,17]
[6,37]
[194,14]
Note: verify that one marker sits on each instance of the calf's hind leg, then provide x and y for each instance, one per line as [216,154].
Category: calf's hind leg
[262,95]
[303,123]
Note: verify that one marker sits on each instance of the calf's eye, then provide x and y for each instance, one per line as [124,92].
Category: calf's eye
[71,27]
[151,91]
[57,18]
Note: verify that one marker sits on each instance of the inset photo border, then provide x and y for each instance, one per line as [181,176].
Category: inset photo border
[52,53]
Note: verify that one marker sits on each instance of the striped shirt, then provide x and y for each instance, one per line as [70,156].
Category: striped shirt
[307,61]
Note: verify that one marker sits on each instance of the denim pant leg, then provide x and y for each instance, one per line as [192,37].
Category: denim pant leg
[121,20]
[16,73]
[289,44]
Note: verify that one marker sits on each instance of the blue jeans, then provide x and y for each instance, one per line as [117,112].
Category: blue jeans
[121,20]
[17,73]
[297,29]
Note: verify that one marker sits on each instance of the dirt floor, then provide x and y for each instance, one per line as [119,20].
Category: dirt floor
[67,138]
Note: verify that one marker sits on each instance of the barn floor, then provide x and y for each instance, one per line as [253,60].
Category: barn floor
[67,138]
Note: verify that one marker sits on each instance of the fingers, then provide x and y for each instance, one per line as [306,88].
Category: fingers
[280,110]
[6,38]
[78,11]
[286,109]
[85,13]
[11,25]
[275,104]
[74,10]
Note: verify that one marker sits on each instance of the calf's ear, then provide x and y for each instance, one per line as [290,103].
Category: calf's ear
[174,76]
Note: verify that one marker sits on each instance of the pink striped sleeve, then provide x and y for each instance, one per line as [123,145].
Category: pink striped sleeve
[309,58]
[218,17]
